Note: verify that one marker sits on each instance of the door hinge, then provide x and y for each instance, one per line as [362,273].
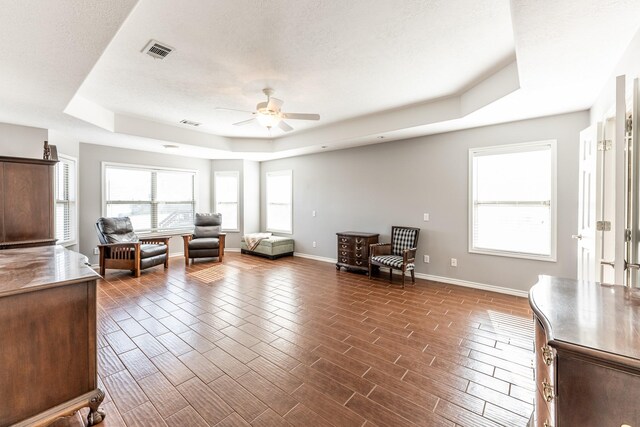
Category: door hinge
[604,145]
[627,235]
[603,225]
[628,125]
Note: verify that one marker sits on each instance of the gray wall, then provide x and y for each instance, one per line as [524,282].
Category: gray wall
[90,174]
[251,196]
[21,141]
[374,187]
[232,240]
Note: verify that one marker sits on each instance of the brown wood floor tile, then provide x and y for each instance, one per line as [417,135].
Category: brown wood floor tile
[211,407]
[295,342]
[163,394]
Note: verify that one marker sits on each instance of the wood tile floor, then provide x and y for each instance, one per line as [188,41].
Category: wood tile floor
[295,342]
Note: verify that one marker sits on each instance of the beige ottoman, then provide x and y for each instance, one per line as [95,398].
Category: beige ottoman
[272,248]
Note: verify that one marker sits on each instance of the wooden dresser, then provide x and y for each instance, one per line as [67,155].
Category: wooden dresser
[26,202]
[353,250]
[47,336]
[587,344]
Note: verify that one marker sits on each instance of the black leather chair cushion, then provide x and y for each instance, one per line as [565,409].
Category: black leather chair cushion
[117,230]
[151,250]
[204,243]
[151,261]
[207,225]
[204,253]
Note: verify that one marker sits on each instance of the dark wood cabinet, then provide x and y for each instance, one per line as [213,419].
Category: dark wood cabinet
[47,336]
[353,250]
[26,202]
[587,346]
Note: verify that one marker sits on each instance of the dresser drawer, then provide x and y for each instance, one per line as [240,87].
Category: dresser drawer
[346,247]
[349,240]
[543,412]
[545,357]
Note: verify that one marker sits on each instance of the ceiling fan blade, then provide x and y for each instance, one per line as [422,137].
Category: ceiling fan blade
[274,104]
[284,126]
[245,122]
[301,116]
[232,109]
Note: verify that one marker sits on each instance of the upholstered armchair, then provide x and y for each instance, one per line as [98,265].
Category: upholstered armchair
[400,254]
[120,248]
[206,241]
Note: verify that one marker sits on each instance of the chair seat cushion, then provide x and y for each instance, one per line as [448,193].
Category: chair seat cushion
[393,261]
[205,243]
[151,250]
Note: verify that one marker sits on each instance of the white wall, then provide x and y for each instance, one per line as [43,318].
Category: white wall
[90,168]
[374,187]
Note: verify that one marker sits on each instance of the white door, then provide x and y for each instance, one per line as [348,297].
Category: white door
[588,199]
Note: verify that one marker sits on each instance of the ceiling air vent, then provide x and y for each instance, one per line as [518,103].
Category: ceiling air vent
[157,50]
[189,122]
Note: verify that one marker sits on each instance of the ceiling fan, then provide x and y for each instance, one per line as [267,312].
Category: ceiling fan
[269,114]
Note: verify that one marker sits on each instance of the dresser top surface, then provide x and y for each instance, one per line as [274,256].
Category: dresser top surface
[28,269]
[357,234]
[604,318]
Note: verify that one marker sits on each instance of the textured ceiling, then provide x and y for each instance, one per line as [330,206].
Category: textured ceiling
[340,59]
[388,68]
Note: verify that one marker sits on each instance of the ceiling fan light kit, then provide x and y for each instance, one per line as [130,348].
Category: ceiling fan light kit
[269,114]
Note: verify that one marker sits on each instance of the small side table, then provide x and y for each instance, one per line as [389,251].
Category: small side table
[353,250]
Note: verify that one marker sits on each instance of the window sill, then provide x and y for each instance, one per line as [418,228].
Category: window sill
[279,231]
[531,257]
[229,231]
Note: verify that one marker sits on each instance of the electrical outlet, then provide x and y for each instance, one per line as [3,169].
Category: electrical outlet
[454,262]
[313,213]
[426,259]
[314,244]
[96,251]
[426,217]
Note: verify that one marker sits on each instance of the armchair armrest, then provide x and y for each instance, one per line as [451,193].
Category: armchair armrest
[158,240]
[409,255]
[376,249]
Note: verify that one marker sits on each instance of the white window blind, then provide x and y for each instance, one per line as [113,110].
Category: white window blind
[512,200]
[226,198]
[279,201]
[154,199]
[65,206]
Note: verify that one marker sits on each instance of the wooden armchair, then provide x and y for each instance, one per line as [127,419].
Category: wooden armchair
[206,241]
[400,254]
[120,248]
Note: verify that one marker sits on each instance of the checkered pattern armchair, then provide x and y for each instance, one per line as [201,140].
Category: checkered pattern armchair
[400,254]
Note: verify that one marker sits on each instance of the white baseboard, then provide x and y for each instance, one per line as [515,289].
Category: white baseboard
[232,249]
[315,257]
[448,280]
[475,285]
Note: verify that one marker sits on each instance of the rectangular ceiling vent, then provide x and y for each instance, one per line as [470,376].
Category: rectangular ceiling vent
[157,50]
[189,122]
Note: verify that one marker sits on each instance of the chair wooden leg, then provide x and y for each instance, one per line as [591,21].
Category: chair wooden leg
[390,274]
[413,277]
[166,261]
[403,276]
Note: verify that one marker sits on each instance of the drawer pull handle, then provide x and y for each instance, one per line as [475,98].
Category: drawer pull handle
[359,262]
[344,253]
[359,255]
[344,246]
[547,391]
[343,240]
[547,354]
[358,240]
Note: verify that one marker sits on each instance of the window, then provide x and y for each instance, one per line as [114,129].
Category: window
[512,209]
[226,198]
[65,215]
[155,199]
[279,198]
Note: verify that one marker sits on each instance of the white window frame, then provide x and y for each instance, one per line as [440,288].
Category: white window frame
[507,149]
[289,173]
[73,204]
[150,168]
[235,174]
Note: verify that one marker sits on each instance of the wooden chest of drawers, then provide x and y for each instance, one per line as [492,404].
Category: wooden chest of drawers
[587,354]
[353,250]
